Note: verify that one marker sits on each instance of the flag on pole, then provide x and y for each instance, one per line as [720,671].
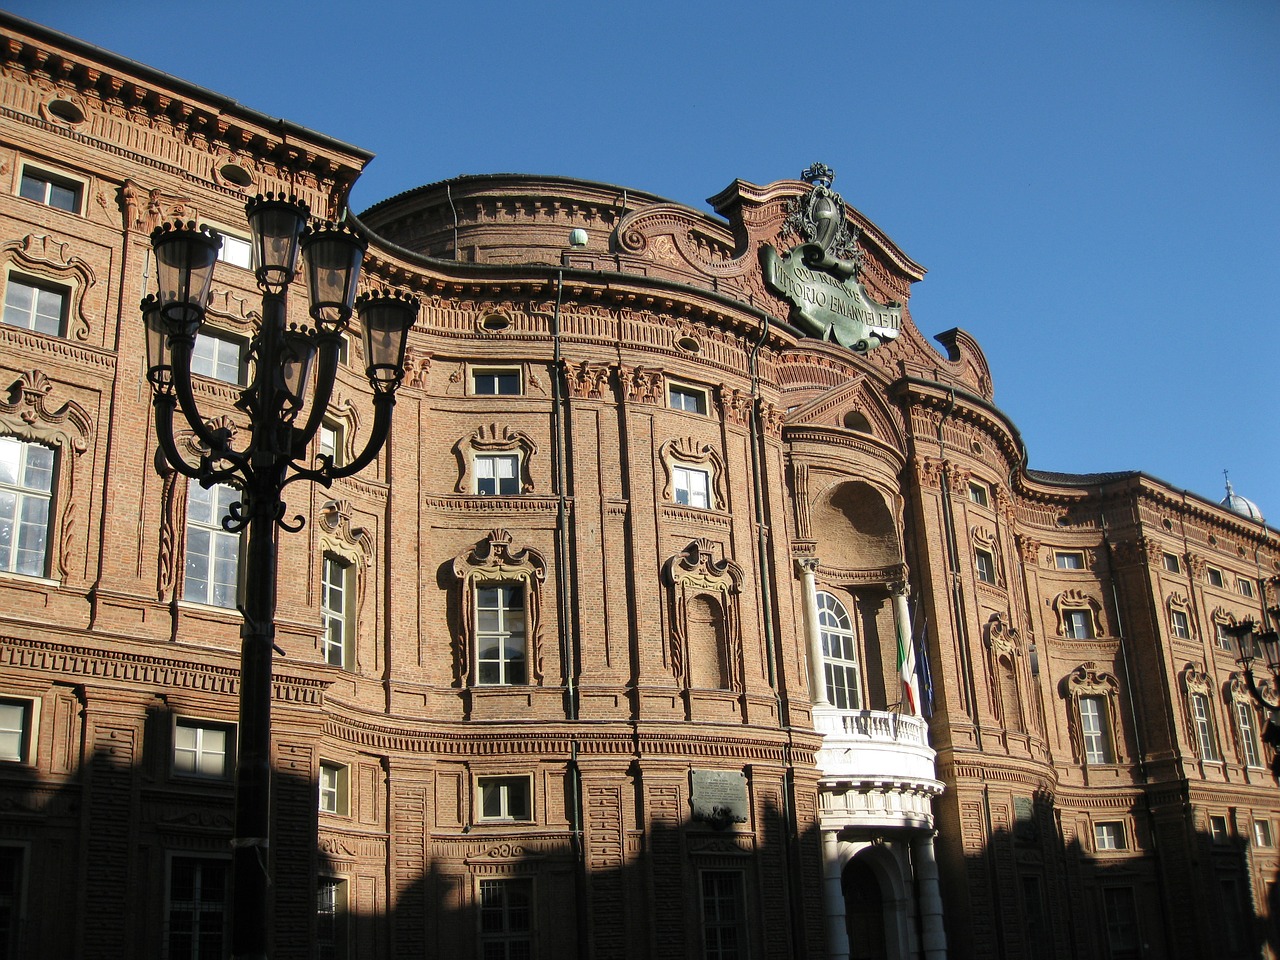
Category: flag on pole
[907,668]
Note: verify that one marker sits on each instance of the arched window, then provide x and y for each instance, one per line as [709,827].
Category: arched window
[839,653]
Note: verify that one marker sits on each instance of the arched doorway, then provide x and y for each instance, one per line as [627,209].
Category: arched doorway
[864,911]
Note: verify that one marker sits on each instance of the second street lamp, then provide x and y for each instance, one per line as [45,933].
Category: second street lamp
[275,455]
[1253,642]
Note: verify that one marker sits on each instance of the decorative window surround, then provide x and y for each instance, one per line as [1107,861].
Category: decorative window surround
[1182,627]
[687,452]
[1072,600]
[490,563]
[1201,725]
[488,440]
[692,573]
[48,260]
[1088,681]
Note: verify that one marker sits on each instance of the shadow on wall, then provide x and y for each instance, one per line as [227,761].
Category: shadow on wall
[127,857]
[1132,888]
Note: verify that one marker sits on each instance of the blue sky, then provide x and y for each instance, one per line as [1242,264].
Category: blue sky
[1092,186]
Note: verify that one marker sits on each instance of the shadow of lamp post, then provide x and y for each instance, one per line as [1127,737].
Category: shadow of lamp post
[282,354]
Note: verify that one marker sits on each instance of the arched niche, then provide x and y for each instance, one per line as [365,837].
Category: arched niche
[854,527]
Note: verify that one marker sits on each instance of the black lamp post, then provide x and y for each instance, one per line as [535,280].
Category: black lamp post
[275,455]
[1253,642]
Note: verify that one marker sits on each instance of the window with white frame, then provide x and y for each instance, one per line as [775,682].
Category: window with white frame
[1215,577]
[218,357]
[62,193]
[506,919]
[1068,560]
[978,494]
[689,399]
[1247,724]
[35,305]
[691,486]
[1202,721]
[503,382]
[1221,638]
[16,728]
[236,251]
[197,917]
[1244,586]
[331,919]
[724,933]
[1109,835]
[335,611]
[1077,624]
[504,798]
[334,787]
[1095,730]
[26,495]
[500,634]
[1180,623]
[985,564]
[497,474]
[203,749]
[1172,563]
[331,442]
[1218,829]
[1262,833]
[212,564]
[839,653]
[11,899]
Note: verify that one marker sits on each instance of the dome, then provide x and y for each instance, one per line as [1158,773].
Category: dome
[1241,505]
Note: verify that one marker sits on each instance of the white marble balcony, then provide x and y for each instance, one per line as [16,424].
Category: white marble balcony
[877,769]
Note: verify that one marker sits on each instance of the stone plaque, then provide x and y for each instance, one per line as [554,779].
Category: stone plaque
[719,797]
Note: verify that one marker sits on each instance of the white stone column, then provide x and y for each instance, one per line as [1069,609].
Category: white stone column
[932,932]
[833,898]
[902,617]
[808,567]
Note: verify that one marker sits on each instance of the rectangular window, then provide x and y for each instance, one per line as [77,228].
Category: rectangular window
[50,189]
[1033,909]
[496,383]
[1077,624]
[979,495]
[986,566]
[16,727]
[202,749]
[334,785]
[1244,586]
[1234,913]
[331,919]
[1181,625]
[1262,833]
[500,634]
[497,474]
[1218,829]
[1068,560]
[212,566]
[1121,912]
[335,611]
[506,919]
[724,935]
[218,357]
[1203,723]
[330,442]
[1221,638]
[692,486]
[688,399]
[1215,577]
[1094,731]
[1245,720]
[11,874]
[1109,835]
[236,251]
[1172,564]
[197,908]
[26,494]
[35,305]
[504,798]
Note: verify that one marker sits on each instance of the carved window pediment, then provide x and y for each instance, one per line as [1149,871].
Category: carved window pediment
[1093,718]
[494,561]
[494,440]
[703,595]
[46,258]
[1073,601]
[687,452]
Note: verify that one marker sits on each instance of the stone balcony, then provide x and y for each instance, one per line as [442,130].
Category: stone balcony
[877,769]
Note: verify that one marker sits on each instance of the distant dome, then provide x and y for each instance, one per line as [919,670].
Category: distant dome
[1241,505]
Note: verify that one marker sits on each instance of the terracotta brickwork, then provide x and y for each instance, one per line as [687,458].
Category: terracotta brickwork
[619,451]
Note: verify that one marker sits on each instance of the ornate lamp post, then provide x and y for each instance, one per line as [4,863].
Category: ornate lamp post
[275,455]
[1253,642]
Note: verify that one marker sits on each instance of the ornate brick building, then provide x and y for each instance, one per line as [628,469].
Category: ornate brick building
[604,656]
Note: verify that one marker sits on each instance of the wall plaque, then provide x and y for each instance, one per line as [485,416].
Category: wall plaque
[719,797]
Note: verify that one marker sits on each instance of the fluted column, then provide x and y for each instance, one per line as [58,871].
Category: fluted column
[808,567]
[933,935]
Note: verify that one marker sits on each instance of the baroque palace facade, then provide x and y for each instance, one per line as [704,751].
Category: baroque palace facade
[603,657]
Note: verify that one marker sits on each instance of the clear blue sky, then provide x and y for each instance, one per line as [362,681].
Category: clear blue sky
[1093,186]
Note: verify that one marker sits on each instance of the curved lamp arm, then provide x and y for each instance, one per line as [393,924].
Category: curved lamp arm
[327,473]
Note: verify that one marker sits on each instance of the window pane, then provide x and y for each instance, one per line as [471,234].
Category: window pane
[211,566]
[26,480]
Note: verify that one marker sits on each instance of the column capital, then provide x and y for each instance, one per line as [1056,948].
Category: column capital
[807,565]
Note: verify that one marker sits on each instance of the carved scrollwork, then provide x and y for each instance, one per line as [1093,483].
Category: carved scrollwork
[1087,680]
[687,450]
[642,384]
[588,380]
[491,439]
[696,573]
[1074,599]
[44,257]
[493,560]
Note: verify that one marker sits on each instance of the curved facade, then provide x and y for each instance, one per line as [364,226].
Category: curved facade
[610,653]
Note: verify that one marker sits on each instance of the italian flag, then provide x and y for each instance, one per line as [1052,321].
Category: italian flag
[907,671]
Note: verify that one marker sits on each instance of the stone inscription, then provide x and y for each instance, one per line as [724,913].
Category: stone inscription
[719,796]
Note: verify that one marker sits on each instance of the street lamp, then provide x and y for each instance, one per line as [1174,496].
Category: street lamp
[275,455]
[1251,643]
